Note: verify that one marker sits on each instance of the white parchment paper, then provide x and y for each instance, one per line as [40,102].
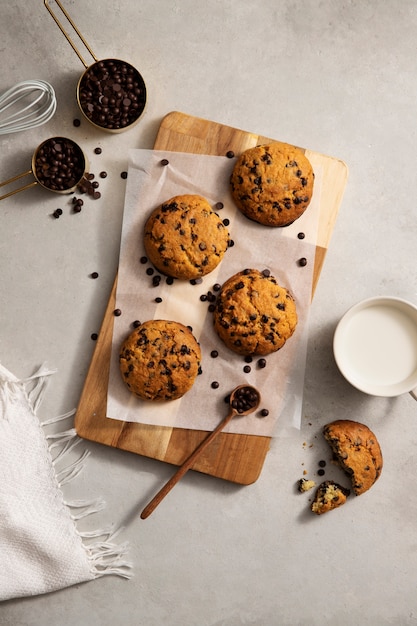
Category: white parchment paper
[255,246]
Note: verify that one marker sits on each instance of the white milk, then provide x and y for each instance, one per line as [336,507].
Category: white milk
[380,346]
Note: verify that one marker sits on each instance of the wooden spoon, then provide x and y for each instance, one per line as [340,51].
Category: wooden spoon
[243,400]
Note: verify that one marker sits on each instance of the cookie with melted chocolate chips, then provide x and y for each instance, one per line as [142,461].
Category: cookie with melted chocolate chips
[272,184]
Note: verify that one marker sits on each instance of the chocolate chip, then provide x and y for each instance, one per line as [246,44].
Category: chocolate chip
[136,324]
[322,463]
[57,213]
[230,154]
[219,206]
[94,336]
[98,150]
[158,300]
[94,275]
[226,222]
[320,472]
[247,369]
[302,262]
[261,363]
[248,359]
[164,162]
[123,175]
[203,297]
[117,312]
[112,94]
[59,164]
[217,287]
[150,271]
[245,398]
[143,260]
[215,384]
[264,413]
[77,122]
[230,243]
[214,354]
[301,235]
[266,273]
[103,174]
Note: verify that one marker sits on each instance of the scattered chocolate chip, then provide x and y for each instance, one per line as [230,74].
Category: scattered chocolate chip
[320,472]
[169,280]
[96,195]
[215,384]
[103,174]
[90,176]
[94,336]
[77,122]
[230,243]
[214,354]
[203,297]
[247,369]
[217,287]
[136,324]
[94,275]
[301,235]
[219,206]
[212,308]
[261,363]
[98,150]
[143,259]
[226,222]
[230,154]
[264,413]
[123,175]
[158,300]
[248,359]
[266,273]
[117,312]
[322,463]
[164,162]
[150,271]
[57,213]
[302,262]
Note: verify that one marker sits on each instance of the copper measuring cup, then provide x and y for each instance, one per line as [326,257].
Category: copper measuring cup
[58,165]
[111,93]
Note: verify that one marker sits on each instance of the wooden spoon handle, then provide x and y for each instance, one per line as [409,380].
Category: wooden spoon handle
[183,469]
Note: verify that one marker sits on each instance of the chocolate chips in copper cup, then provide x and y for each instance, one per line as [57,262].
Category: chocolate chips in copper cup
[59,164]
[112,94]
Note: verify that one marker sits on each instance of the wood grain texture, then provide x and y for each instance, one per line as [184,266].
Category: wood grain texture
[233,457]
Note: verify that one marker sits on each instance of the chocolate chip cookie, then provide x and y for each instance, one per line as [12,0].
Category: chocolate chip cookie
[272,184]
[160,360]
[184,238]
[329,496]
[357,451]
[254,314]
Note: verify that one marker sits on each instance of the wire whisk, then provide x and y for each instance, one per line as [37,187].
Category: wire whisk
[28,104]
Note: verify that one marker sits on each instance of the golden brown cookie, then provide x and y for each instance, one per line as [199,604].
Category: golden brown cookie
[357,451]
[160,360]
[184,238]
[272,184]
[254,314]
[329,496]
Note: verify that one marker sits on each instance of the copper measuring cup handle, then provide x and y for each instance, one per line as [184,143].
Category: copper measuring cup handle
[67,37]
[13,179]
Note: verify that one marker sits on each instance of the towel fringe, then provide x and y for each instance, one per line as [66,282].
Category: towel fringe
[105,557]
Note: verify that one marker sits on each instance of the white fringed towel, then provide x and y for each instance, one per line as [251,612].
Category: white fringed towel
[41,549]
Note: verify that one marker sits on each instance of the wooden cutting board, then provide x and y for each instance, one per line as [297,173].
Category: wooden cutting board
[233,457]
